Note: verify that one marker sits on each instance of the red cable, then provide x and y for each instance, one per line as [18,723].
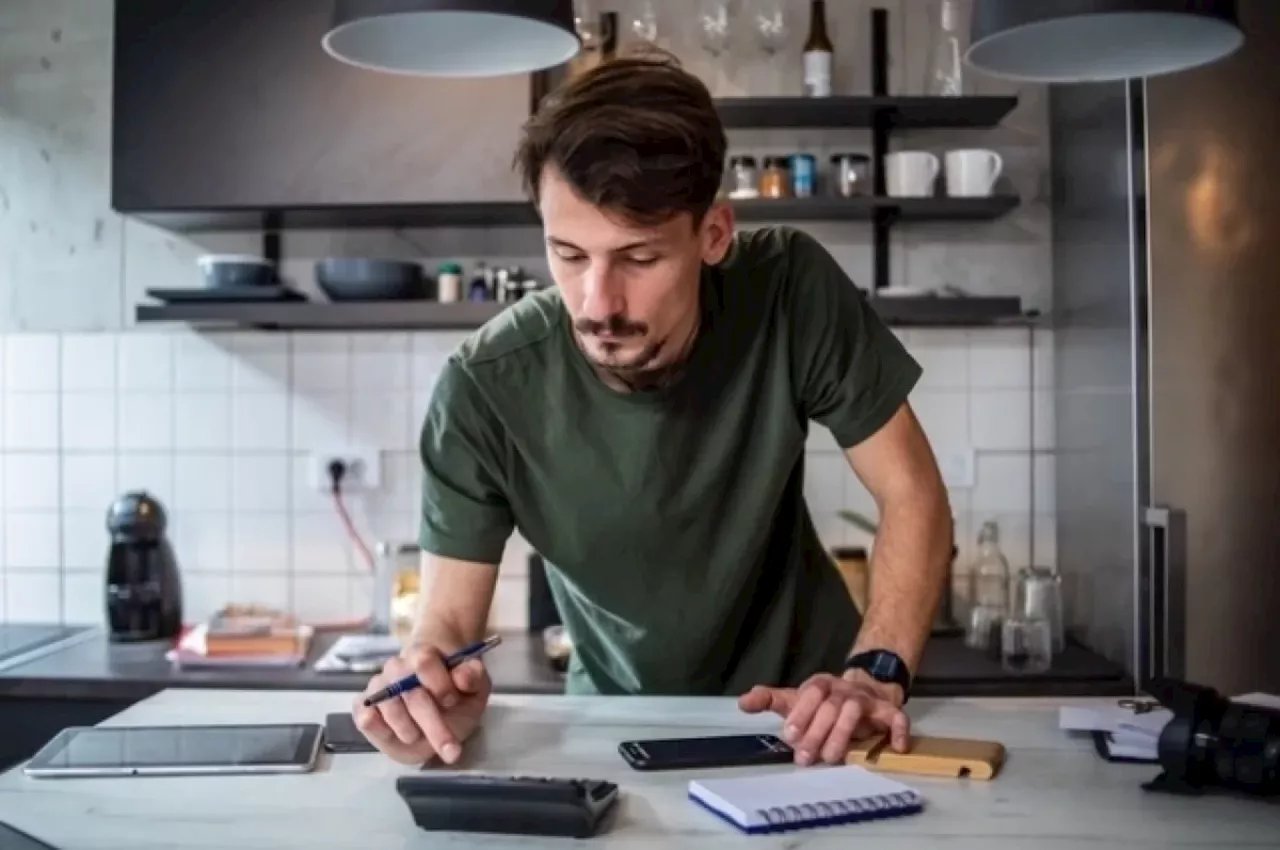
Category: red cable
[352,532]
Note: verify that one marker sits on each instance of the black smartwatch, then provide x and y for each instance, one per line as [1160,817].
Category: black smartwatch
[883,666]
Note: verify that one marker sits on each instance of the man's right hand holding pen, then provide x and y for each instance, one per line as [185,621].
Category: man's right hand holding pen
[428,721]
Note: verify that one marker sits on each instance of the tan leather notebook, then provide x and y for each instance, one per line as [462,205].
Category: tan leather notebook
[930,756]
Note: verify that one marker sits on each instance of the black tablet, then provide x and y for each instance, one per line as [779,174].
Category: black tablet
[178,750]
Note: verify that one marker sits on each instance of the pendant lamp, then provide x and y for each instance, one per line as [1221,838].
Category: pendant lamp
[1076,41]
[452,38]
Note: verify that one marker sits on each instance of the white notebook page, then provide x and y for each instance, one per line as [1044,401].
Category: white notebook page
[749,799]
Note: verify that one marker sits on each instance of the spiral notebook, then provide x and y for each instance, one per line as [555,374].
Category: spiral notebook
[805,798]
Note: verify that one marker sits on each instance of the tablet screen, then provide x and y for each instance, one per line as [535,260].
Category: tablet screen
[180,746]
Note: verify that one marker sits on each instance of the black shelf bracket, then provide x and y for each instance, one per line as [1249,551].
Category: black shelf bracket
[272,251]
[880,126]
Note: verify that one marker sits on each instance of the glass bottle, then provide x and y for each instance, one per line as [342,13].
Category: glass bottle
[818,53]
[990,576]
[946,68]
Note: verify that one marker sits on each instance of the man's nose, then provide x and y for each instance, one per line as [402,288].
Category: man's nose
[601,293]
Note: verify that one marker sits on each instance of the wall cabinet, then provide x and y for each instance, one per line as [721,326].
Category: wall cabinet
[233,104]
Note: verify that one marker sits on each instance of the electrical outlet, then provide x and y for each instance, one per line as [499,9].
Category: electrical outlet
[363,469]
[957,468]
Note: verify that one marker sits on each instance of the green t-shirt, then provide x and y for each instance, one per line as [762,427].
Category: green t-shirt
[678,545]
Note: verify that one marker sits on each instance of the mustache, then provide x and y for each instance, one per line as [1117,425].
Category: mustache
[616,325]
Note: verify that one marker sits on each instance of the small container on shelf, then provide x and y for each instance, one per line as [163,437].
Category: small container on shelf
[744,178]
[775,180]
[449,283]
[804,175]
[852,173]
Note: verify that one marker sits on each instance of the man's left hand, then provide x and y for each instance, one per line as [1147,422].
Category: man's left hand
[827,714]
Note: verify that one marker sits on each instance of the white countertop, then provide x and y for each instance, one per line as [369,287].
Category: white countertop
[1053,792]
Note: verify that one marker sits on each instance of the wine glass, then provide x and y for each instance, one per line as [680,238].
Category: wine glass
[644,25]
[769,21]
[713,24]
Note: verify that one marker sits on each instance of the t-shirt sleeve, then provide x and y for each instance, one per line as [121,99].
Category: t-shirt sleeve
[850,371]
[465,511]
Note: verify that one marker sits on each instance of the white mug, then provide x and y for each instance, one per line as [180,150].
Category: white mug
[910,174]
[972,173]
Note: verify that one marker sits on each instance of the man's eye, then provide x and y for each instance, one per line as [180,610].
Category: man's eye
[642,261]
[572,258]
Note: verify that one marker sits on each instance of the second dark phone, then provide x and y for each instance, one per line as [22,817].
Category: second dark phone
[342,736]
[706,752]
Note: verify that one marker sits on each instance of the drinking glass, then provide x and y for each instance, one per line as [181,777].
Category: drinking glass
[1026,645]
[644,25]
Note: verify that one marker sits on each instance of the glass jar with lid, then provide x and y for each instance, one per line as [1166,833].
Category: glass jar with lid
[852,174]
[743,177]
[775,179]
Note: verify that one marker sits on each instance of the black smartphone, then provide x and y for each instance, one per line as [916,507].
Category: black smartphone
[342,736]
[714,751]
[12,838]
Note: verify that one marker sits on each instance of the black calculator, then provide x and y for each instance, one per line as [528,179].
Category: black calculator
[511,805]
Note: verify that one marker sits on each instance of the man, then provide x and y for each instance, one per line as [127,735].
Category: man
[643,424]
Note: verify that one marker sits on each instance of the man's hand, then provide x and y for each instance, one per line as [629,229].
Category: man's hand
[827,714]
[434,719]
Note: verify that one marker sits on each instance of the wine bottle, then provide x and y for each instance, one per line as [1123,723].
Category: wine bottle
[818,52]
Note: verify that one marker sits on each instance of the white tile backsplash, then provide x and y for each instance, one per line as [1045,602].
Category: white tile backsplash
[220,428]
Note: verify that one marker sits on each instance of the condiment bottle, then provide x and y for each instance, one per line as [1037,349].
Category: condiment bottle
[449,283]
[818,53]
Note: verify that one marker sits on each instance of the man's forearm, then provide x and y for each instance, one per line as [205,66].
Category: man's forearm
[453,602]
[908,573]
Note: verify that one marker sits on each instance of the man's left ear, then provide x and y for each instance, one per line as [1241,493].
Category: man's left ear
[717,233]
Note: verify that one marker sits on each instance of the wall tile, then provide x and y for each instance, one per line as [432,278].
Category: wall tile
[83,597]
[86,542]
[88,421]
[33,597]
[30,421]
[202,483]
[145,362]
[943,356]
[380,362]
[89,362]
[146,421]
[31,363]
[1003,483]
[201,363]
[31,482]
[319,421]
[381,421]
[150,472]
[274,591]
[202,421]
[202,541]
[260,483]
[32,540]
[261,542]
[1000,420]
[260,422]
[89,481]
[999,359]
[320,545]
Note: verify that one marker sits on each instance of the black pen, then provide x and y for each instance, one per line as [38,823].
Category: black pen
[411,681]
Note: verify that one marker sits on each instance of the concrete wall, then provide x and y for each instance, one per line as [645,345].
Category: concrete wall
[220,426]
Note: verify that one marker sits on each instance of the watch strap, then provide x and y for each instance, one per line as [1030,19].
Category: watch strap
[883,666]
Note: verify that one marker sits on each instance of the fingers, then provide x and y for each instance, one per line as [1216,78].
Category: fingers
[836,747]
[761,698]
[815,739]
[434,676]
[471,678]
[426,717]
[809,697]
[898,724]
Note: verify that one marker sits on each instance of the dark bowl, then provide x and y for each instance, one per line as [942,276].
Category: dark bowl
[230,271]
[359,279]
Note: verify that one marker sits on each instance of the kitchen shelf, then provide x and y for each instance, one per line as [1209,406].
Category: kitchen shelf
[510,214]
[468,315]
[866,208]
[897,113]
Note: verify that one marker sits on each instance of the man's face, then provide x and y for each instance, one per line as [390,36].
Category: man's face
[631,290]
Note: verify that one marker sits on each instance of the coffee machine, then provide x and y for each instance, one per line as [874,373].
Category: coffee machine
[144,593]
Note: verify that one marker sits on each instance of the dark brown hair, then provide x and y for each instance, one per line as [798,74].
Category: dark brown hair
[637,134]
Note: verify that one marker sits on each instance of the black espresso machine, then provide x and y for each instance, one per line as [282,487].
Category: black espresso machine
[144,593]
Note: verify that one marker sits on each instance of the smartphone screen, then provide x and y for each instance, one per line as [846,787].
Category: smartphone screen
[715,751]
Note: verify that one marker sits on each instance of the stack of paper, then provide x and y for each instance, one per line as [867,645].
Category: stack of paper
[1133,735]
[358,654]
[1127,734]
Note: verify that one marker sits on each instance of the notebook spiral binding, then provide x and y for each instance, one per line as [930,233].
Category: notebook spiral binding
[783,815]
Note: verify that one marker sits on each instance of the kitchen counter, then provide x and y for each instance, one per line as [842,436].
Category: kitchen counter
[95,668]
[1053,791]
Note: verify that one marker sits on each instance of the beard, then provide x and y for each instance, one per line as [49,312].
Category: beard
[642,368]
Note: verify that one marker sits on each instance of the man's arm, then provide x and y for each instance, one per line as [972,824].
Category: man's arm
[913,544]
[453,603]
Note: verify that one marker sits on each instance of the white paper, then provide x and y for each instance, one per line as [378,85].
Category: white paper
[748,799]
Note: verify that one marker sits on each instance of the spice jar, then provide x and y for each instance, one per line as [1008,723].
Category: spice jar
[743,176]
[852,174]
[804,175]
[775,180]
